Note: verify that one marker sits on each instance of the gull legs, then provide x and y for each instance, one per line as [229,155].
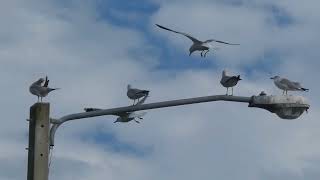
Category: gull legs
[228,91]
[204,55]
[40,99]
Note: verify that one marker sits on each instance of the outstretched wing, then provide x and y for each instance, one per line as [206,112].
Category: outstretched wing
[218,41]
[185,34]
[137,115]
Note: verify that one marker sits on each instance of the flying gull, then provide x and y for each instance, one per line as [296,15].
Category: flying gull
[229,81]
[122,117]
[129,116]
[37,89]
[197,45]
[136,94]
[287,85]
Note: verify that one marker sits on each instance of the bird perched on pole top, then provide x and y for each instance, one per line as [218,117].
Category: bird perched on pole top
[287,85]
[136,94]
[203,46]
[40,91]
[229,81]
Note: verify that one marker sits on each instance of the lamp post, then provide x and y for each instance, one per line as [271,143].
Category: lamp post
[286,107]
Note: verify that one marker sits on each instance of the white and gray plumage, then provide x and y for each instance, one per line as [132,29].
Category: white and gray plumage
[122,117]
[136,94]
[197,45]
[40,91]
[229,81]
[287,85]
[129,116]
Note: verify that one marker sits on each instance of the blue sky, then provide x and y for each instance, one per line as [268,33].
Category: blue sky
[93,49]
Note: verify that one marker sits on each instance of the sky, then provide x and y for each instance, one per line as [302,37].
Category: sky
[92,49]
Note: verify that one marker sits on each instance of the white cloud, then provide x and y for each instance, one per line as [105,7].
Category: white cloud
[92,62]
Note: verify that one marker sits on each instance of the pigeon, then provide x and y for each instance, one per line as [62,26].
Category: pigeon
[41,91]
[136,94]
[197,45]
[287,85]
[229,81]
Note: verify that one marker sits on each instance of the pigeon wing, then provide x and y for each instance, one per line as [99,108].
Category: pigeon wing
[185,34]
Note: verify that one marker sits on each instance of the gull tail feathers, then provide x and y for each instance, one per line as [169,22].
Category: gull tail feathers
[53,89]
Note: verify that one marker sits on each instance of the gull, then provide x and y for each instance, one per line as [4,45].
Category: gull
[229,81]
[129,116]
[136,94]
[287,85]
[41,91]
[197,45]
[123,117]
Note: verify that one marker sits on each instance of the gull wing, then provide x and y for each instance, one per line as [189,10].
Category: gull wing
[136,115]
[46,82]
[231,78]
[139,91]
[296,84]
[185,34]
[287,83]
[218,41]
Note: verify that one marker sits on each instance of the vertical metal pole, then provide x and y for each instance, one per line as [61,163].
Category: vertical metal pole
[38,151]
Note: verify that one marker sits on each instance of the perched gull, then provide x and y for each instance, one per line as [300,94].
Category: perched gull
[41,91]
[287,85]
[126,117]
[197,45]
[229,81]
[136,94]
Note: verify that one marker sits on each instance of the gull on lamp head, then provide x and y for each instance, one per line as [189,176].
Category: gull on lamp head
[286,107]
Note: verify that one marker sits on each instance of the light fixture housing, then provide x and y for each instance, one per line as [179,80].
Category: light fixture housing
[285,106]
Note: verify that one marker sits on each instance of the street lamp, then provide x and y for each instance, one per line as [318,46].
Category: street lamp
[40,139]
[286,107]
